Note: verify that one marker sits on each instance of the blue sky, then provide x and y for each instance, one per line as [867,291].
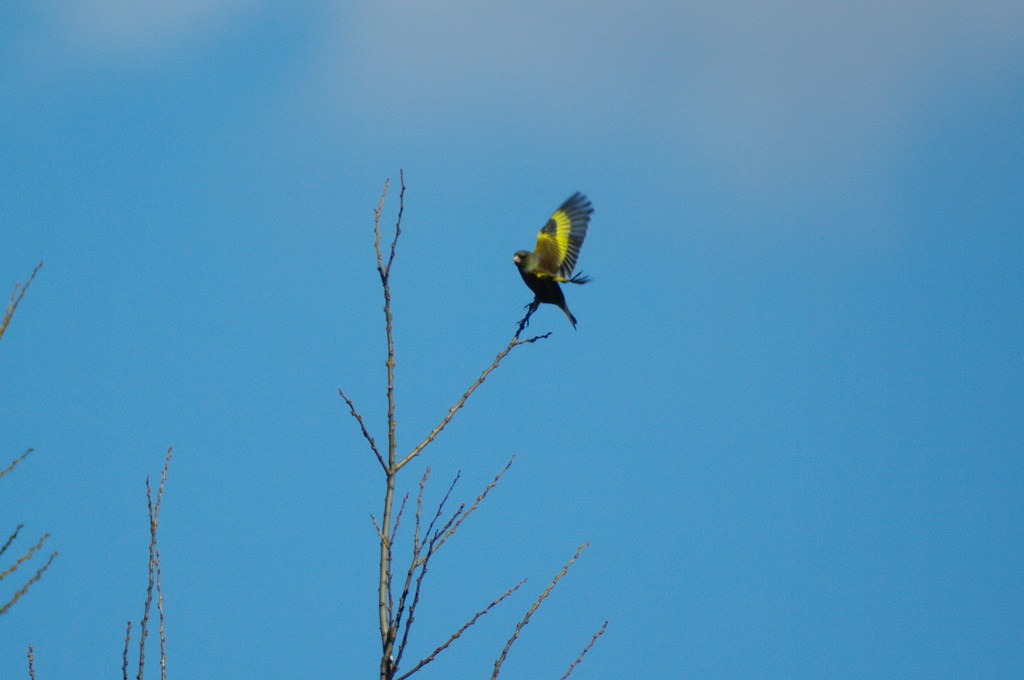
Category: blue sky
[789,422]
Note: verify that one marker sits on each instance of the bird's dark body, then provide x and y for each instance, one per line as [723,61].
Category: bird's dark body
[546,289]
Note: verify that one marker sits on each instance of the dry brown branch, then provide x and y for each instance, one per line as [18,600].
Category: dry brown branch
[424,549]
[463,515]
[429,531]
[153,564]
[417,568]
[390,540]
[398,221]
[455,636]
[515,342]
[15,462]
[398,517]
[35,577]
[419,511]
[161,630]
[16,295]
[362,426]
[396,615]
[124,656]
[28,555]
[10,540]
[536,604]
[21,560]
[31,664]
[384,600]
[385,278]
[586,649]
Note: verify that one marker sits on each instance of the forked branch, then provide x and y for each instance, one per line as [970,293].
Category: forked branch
[154,573]
[397,614]
[457,634]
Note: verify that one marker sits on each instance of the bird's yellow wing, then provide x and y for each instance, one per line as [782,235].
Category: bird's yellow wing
[559,241]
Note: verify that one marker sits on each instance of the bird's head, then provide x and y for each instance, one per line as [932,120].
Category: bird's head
[520,257]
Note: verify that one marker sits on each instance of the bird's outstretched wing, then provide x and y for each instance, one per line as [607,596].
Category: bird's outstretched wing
[559,241]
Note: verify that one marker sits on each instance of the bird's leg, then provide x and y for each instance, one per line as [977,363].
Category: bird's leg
[525,321]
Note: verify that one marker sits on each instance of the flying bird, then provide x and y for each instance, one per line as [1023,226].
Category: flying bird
[554,257]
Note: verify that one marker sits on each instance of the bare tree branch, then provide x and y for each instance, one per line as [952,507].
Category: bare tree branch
[124,657]
[362,426]
[463,515]
[526,618]
[154,520]
[455,636]
[391,540]
[17,530]
[31,664]
[396,615]
[384,602]
[417,566]
[160,609]
[10,540]
[15,462]
[39,573]
[16,295]
[586,649]
[28,555]
[398,222]
[515,342]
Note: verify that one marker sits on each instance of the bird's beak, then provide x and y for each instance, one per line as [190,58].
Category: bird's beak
[515,258]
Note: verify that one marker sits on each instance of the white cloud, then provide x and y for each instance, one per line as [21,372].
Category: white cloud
[745,73]
[134,29]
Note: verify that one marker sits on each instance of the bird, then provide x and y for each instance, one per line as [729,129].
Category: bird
[554,257]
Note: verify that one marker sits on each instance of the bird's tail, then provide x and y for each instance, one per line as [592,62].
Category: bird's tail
[572,319]
[579,278]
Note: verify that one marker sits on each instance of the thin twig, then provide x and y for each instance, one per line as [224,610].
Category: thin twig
[455,636]
[463,515]
[385,278]
[526,618]
[154,520]
[398,222]
[384,600]
[376,225]
[144,623]
[31,664]
[398,518]
[416,563]
[440,511]
[15,462]
[391,539]
[161,630]
[28,554]
[362,426]
[462,401]
[16,295]
[10,540]
[124,657]
[586,649]
[419,513]
[24,589]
